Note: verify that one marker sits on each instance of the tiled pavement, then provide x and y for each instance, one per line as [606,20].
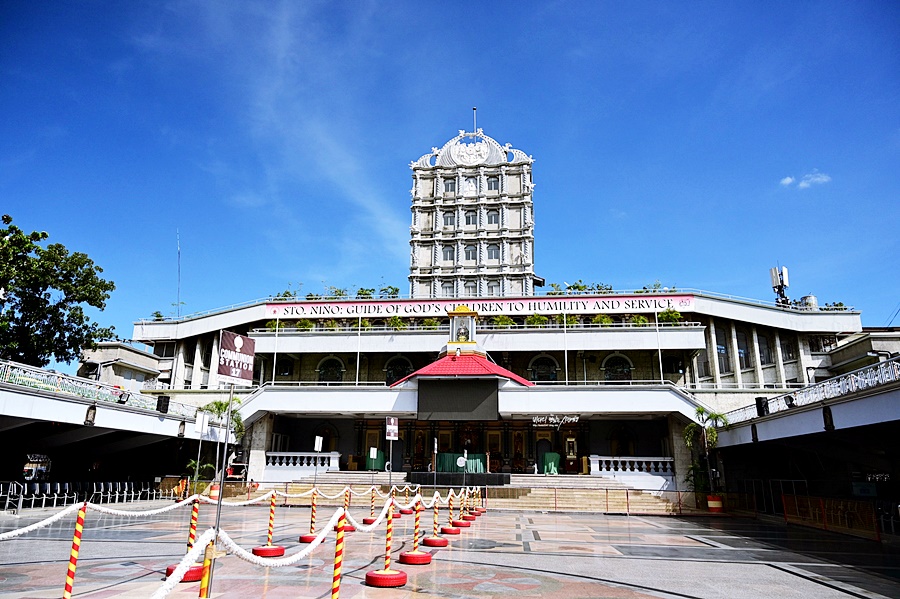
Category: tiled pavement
[527,554]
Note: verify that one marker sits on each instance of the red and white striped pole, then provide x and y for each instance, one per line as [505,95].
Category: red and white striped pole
[73,556]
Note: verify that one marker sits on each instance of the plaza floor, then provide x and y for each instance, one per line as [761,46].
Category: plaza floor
[503,554]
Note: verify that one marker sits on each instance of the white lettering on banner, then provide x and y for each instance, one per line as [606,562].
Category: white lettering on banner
[519,307]
[552,420]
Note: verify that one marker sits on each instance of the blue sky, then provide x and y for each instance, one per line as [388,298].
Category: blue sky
[695,143]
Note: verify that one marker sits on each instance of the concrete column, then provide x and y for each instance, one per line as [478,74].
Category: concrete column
[197,379]
[804,359]
[757,359]
[680,453]
[736,363]
[178,366]
[259,435]
[214,364]
[779,359]
[712,353]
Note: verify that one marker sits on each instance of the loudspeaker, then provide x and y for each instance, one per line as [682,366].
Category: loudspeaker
[762,406]
[162,404]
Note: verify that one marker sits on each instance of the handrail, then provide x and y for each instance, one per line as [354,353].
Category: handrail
[868,377]
[30,377]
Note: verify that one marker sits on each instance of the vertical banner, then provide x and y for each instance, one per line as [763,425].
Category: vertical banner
[236,354]
[392,429]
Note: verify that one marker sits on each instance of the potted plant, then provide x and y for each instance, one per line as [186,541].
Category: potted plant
[396,323]
[604,320]
[536,320]
[503,321]
[700,437]
[431,323]
[669,315]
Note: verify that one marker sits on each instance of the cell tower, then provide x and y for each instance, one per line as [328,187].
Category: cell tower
[780,284]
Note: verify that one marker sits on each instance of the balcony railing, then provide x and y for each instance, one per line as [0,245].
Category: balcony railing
[44,380]
[282,466]
[871,377]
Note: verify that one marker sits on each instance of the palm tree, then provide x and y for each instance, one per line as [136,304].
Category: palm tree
[219,409]
[703,436]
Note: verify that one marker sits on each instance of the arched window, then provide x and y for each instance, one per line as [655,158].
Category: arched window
[471,289]
[493,288]
[493,252]
[471,217]
[396,368]
[331,370]
[617,368]
[493,217]
[448,253]
[449,185]
[543,368]
[471,252]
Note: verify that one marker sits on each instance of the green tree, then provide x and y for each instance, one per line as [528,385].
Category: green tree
[43,294]
[365,293]
[389,291]
[219,409]
[536,320]
[700,437]
[670,315]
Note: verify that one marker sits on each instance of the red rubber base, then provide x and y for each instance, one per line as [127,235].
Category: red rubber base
[369,520]
[268,551]
[347,528]
[194,573]
[462,523]
[449,530]
[308,538]
[469,518]
[415,558]
[406,511]
[386,579]
[435,542]
[397,515]
[480,510]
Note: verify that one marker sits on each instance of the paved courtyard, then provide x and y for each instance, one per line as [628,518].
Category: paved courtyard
[527,554]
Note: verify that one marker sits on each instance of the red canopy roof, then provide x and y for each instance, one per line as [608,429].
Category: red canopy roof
[466,365]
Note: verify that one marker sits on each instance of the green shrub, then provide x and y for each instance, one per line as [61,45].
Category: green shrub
[570,319]
[669,315]
[536,320]
[430,323]
[396,323]
[603,320]
[503,321]
[304,324]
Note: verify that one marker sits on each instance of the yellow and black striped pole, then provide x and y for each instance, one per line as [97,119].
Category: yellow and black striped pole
[338,557]
[73,556]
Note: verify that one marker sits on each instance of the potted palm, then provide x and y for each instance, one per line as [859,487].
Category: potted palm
[700,437]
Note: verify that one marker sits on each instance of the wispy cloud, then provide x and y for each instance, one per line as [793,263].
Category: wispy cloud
[814,178]
[807,180]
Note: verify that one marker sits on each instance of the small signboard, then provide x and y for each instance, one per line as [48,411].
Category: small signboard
[236,354]
[392,429]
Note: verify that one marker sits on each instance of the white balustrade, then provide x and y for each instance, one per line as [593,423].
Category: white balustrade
[283,466]
[653,473]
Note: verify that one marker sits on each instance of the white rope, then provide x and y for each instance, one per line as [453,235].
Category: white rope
[270,562]
[46,522]
[259,499]
[295,495]
[373,525]
[134,514]
[411,505]
[341,494]
[189,559]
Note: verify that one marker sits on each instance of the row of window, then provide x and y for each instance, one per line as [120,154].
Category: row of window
[471,184]
[470,289]
[471,218]
[470,252]
[745,356]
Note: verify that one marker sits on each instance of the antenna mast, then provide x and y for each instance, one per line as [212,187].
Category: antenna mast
[178,296]
[474,119]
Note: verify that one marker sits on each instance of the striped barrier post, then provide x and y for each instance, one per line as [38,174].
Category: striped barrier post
[435,540]
[370,519]
[207,568]
[270,550]
[195,572]
[416,557]
[397,513]
[338,557]
[451,528]
[387,578]
[406,511]
[73,556]
[461,522]
[312,520]
[347,526]
[469,516]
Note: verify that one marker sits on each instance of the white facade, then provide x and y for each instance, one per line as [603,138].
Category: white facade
[472,230]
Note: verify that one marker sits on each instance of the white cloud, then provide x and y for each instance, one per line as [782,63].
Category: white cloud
[813,178]
[787,181]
